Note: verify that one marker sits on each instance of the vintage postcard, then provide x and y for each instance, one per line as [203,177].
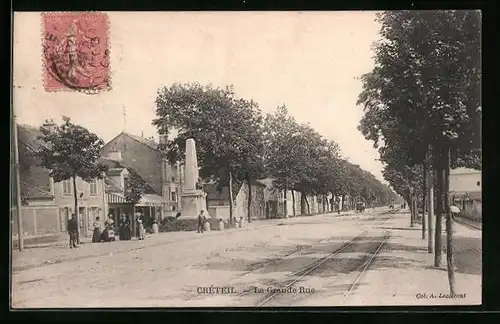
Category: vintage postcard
[246,159]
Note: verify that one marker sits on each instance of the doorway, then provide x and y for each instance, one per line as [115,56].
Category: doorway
[83,219]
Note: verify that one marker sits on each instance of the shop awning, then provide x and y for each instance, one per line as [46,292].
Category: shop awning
[115,198]
[151,200]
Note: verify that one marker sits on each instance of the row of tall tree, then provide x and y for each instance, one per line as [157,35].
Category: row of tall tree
[236,142]
[422,109]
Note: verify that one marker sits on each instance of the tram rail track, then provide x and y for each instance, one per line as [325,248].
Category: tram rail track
[361,269]
[301,273]
[467,223]
[297,276]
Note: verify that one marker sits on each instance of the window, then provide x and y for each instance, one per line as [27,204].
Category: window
[66,184]
[93,187]
[173,196]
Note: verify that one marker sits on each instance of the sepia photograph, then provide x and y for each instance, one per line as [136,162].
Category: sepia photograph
[246,159]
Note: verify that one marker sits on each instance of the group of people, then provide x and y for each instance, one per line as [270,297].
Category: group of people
[107,233]
[125,233]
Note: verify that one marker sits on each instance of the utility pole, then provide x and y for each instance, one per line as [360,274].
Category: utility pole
[17,184]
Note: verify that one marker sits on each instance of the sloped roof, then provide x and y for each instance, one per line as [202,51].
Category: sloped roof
[29,191]
[28,135]
[150,173]
[143,140]
[111,186]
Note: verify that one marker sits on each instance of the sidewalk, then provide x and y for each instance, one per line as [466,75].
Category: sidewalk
[60,252]
[403,273]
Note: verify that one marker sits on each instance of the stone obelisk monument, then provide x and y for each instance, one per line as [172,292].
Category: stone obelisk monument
[193,200]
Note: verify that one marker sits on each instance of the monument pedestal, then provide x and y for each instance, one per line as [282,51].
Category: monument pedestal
[193,203]
[193,200]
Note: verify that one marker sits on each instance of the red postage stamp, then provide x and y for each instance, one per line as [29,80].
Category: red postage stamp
[76,51]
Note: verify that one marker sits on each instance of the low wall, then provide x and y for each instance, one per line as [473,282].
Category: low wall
[38,221]
[218,212]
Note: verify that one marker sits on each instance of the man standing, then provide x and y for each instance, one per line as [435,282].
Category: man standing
[201,221]
[72,231]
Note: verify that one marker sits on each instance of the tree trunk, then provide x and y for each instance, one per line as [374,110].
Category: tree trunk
[342,203]
[430,198]
[424,190]
[293,203]
[439,212]
[308,207]
[449,225]
[415,209]
[230,197]
[412,208]
[285,203]
[77,214]
[249,207]
[302,203]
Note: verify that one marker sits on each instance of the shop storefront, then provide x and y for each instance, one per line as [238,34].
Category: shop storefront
[117,206]
[151,207]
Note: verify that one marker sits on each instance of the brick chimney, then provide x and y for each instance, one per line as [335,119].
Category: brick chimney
[49,125]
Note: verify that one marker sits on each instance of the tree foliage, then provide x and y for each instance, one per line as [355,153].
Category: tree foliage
[71,151]
[422,101]
[135,187]
[227,130]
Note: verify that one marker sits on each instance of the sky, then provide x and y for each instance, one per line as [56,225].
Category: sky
[309,61]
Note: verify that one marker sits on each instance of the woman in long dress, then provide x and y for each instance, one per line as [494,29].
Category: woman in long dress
[128,230]
[142,231]
[123,229]
[96,237]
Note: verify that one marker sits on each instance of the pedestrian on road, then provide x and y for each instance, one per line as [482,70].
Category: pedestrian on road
[128,228]
[124,228]
[201,221]
[141,229]
[96,237]
[72,231]
[138,217]
[154,227]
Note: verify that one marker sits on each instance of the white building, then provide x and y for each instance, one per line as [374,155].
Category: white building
[465,191]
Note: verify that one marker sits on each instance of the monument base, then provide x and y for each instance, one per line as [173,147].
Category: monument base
[192,203]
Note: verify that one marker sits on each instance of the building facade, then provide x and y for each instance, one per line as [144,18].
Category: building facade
[46,205]
[144,157]
[466,192]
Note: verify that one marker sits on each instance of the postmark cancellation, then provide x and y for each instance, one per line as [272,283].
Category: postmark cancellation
[76,51]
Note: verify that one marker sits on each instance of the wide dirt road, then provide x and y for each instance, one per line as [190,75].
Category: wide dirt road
[181,273]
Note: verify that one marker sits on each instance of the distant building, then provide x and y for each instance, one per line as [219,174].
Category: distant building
[218,200]
[267,201]
[466,192]
[143,156]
